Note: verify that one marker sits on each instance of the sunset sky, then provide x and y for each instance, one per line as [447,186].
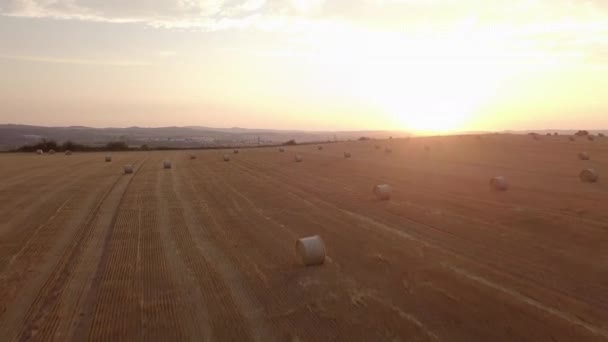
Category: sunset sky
[416,65]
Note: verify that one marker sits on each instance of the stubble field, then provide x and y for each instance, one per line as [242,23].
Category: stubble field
[205,250]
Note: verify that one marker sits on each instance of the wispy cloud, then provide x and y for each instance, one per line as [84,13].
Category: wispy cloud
[562,26]
[77,61]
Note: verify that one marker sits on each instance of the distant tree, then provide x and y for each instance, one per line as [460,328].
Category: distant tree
[44,145]
[363,138]
[290,142]
[117,146]
[582,133]
[68,145]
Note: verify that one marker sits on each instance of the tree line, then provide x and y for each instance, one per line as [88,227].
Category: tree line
[47,145]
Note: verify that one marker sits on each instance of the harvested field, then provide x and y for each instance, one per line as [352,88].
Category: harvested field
[206,251]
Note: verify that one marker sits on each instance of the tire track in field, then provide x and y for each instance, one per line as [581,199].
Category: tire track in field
[83,327]
[232,313]
[445,246]
[135,298]
[43,316]
[194,313]
[25,275]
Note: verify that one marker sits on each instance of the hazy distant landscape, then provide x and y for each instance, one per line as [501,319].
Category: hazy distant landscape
[14,136]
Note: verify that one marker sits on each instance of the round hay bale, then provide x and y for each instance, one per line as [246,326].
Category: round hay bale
[128,169]
[281,149]
[590,138]
[548,134]
[383,191]
[192,156]
[320,148]
[583,156]
[68,153]
[589,176]
[388,150]
[298,158]
[40,152]
[601,135]
[499,183]
[377,147]
[51,151]
[571,138]
[235,151]
[108,159]
[346,154]
[310,250]
[427,148]
[226,157]
[166,164]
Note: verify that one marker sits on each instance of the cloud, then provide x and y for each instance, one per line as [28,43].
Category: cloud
[199,14]
[560,26]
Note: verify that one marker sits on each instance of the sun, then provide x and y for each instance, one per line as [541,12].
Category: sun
[427,84]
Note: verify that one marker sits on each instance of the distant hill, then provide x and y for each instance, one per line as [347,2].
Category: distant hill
[13,136]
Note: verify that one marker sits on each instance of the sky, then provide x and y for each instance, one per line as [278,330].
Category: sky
[414,65]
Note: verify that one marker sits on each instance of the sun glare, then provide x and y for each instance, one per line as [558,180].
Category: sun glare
[427,85]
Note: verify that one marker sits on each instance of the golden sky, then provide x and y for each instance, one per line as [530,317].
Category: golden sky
[416,65]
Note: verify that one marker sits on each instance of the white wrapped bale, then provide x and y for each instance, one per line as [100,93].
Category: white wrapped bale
[128,169]
[226,157]
[499,183]
[40,152]
[166,164]
[68,153]
[589,176]
[108,159]
[383,191]
[311,250]
[298,158]
[583,156]
[346,154]
[51,151]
